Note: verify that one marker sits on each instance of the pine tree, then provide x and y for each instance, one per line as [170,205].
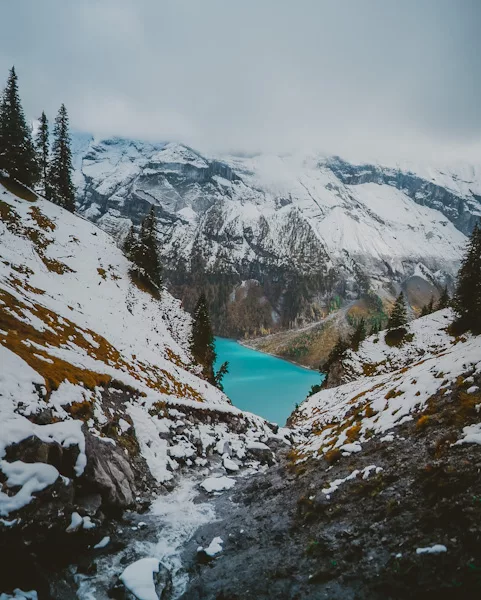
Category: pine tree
[428,308]
[130,244]
[60,171]
[145,253]
[142,251]
[42,145]
[444,299]
[467,299]
[17,151]
[336,353]
[398,317]
[202,343]
[148,256]
[359,334]
[219,376]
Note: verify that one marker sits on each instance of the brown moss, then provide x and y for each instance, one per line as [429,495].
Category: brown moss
[293,457]
[174,358]
[332,456]
[393,394]
[352,434]
[22,269]
[8,215]
[54,370]
[41,220]
[466,406]
[369,369]
[102,273]
[318,428]
[423,422]
[14,224]
[159,409]
[55,266]
[81,410]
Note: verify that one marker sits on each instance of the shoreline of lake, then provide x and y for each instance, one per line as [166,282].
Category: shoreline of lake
[262,383]
[289,360]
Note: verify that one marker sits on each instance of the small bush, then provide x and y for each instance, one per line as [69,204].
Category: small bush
[396,337]
[352,434]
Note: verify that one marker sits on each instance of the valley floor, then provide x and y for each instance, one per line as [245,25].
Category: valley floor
[399,520]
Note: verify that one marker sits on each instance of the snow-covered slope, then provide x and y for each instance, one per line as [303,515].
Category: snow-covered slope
[389,386]
[333,226]
[85,355]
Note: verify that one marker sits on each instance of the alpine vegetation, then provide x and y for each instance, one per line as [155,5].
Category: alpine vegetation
[467,300]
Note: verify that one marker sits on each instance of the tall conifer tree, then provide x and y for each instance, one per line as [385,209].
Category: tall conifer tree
[359,334]
[42,145]
[467,299]
[17,152]
[202,343]
[398,317]
[142,251]
[60,172]
[444,299]
[148,256]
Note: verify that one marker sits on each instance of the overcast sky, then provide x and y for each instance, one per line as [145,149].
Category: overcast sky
[341,76]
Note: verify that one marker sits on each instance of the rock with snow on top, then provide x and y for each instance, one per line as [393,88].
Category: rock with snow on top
[217,484]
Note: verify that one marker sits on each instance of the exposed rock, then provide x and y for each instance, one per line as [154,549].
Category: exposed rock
[270,260]
[109,472]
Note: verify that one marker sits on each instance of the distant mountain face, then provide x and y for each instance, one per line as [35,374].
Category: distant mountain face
[276,240]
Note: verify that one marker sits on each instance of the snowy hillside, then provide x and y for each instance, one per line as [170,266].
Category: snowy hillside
[388,386]
[98,391]
[318,222]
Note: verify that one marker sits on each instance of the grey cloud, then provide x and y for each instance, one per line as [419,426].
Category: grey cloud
[347,76]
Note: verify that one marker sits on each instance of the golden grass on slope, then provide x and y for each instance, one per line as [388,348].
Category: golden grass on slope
[32,345]
[62,333]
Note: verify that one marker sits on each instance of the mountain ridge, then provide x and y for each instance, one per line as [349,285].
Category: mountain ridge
[254,229]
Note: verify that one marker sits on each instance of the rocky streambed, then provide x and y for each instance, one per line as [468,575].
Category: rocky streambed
[399,520]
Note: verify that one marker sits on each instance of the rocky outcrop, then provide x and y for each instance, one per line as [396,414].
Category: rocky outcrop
[462,211]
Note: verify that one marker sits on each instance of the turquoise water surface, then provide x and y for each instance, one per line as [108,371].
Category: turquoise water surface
[261,383]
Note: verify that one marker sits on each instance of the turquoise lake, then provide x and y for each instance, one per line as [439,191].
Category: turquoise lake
[261,383]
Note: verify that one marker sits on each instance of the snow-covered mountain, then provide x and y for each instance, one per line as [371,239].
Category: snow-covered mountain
[102,409]
[282,224]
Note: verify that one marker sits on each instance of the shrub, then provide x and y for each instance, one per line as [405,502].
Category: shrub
[395,337]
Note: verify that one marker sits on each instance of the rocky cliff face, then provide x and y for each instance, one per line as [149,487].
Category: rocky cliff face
[304,230]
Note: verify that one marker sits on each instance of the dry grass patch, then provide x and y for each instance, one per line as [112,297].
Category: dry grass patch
[62,333]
